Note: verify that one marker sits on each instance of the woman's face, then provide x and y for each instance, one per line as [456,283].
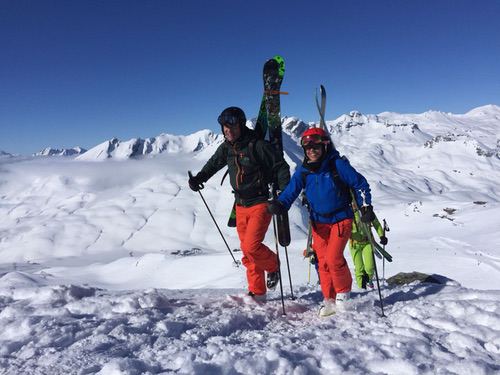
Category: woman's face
[314,152]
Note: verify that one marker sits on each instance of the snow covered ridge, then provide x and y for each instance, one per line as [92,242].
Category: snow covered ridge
[137,147]
[481,124]
[49,151]
[479,128]
[294,127]
[477,131]
[480,149]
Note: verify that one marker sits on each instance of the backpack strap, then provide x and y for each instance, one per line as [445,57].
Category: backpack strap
[303,177]
[344,189]
[253,153]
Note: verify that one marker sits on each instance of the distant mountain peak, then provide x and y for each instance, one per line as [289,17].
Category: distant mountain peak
[138,147]
[294,126]
[485,110]
[49,151]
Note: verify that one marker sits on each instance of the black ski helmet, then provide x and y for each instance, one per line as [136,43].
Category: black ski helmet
[232,116]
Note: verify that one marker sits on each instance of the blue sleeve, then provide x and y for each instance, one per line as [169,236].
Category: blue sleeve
[292,190]
[356,181]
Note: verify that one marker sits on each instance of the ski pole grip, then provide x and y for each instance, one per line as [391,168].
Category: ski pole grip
[190,174]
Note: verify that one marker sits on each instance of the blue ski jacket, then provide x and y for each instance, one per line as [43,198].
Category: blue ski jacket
[328,198]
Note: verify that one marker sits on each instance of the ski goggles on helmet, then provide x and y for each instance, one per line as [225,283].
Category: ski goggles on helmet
[228,119]
[312,140]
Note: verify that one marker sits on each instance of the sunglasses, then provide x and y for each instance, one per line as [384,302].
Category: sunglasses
[228,120]
[313,146]
[314,139]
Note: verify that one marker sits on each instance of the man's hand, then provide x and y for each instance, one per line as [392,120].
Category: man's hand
[196,182]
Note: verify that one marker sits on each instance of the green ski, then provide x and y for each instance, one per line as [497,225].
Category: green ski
[378,250]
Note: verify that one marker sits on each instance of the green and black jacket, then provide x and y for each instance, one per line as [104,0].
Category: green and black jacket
[252,164]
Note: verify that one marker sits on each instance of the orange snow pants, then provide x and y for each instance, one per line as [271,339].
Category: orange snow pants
[329,241]
[251,224]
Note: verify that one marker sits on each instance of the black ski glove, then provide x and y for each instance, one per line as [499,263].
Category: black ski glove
[367,215]
[275,207]
[196,182]
[383,240]
[313,259]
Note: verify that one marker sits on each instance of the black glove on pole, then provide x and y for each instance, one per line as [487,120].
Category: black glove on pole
[367,215]
[383,240]
[195,182]
[237,263]
[275,207]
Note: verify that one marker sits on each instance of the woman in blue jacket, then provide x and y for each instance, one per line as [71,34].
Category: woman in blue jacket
[327,179]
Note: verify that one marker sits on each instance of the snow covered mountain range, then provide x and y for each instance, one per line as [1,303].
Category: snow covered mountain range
[49,151]
[137,147]
[116,267]
[476,129]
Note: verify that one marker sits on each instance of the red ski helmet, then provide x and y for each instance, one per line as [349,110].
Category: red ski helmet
[315,136]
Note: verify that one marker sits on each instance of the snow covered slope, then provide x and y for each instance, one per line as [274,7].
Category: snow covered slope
[116,266]
[429,329]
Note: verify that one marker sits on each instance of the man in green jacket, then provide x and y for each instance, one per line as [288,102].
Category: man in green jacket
[362,252]
[252,165]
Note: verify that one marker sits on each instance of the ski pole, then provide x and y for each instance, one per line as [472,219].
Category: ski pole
[279,264]
[386,229]
[378,286]
[289,275]
[237,263]
[376,277]
[277,218]
[383,268]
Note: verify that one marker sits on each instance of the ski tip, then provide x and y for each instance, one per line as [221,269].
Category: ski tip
[281,62]
[279,58]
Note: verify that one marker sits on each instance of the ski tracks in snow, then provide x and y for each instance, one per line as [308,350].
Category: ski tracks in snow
[467,250]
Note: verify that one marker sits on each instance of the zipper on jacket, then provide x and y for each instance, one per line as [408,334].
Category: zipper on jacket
[239,170]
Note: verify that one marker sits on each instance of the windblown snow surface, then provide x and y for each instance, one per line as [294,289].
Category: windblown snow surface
[115,267]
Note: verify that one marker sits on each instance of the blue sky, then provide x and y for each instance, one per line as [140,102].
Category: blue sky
[81,72]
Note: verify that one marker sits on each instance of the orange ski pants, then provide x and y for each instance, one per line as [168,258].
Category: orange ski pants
[251,224]
[329,241]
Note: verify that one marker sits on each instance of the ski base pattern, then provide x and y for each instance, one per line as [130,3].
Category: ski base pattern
[273,73]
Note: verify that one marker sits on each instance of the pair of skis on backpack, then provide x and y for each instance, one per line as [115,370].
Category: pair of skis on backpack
[269,124]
